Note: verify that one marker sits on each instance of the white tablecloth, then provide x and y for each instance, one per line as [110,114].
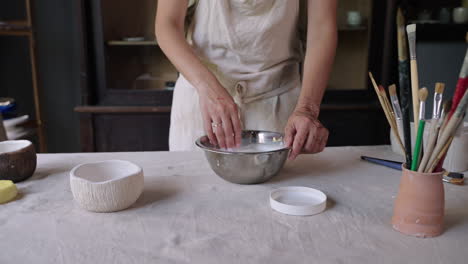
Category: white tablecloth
[189,215]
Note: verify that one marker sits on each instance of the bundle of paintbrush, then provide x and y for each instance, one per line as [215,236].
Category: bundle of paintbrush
[445,121]
[393,115]
[444,136]
[444,124]
[441,131]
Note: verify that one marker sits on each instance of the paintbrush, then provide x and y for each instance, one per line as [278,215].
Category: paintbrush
[386,110]
[403,74]
[388,107]
[462,83]
[387,163]
[418,145]
[449,129]
[396,109]
[411,30]
[440,155]
[433,132]
[444,117]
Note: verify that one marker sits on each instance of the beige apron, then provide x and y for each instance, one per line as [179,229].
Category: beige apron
[253,48]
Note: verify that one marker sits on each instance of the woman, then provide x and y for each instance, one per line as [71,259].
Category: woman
[241,70]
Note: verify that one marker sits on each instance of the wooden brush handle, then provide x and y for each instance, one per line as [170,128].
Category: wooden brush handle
[429,146]
[439,157]
[392,122]
[415,91]
[442,140]
[395,131]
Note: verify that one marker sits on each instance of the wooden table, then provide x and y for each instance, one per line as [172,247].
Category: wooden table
[189,215]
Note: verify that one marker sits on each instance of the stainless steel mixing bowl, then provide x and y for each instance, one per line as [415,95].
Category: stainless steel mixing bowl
[247,167]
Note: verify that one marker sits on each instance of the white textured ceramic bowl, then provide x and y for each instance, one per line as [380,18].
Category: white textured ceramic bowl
[106,186]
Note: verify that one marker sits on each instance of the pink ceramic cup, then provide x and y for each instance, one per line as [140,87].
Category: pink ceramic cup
[419,206]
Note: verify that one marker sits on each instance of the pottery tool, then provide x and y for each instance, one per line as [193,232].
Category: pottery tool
[403,74]
[418,145]
[386,110]
[387,163]
[433,132]
[462,83]
[396,109]
[411,30]
[8,191]
[449,130]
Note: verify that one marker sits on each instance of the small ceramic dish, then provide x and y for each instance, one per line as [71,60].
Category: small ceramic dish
[17,160]
[106,186]
[296,200]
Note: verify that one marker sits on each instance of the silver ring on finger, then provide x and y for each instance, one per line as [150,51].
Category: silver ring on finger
[215,125]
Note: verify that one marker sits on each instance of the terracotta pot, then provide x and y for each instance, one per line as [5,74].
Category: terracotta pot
[419,206]
[17,160]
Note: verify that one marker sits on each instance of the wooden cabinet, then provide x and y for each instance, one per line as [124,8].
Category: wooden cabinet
[136,128]
[128,81]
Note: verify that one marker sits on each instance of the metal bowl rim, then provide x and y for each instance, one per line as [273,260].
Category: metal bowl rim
[200,145]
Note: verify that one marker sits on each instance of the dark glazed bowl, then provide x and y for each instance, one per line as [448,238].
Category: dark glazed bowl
[17,160]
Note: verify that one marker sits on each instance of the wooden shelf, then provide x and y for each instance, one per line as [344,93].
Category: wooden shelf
[132,43]
[15,28]
[25,28]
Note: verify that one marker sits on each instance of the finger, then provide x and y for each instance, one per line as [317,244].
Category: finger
[322,137]
[209,130]
[324,140]
[228,131]
[289,135]
[236,123]
[219,132]
[312,141]
[299,140]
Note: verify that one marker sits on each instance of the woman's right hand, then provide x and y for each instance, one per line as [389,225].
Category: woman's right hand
[220,113]
[221,118]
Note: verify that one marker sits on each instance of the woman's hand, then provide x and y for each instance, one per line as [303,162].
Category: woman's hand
[304,133]
[221,118]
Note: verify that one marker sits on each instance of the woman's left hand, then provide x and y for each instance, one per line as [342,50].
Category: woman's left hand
[304,133]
